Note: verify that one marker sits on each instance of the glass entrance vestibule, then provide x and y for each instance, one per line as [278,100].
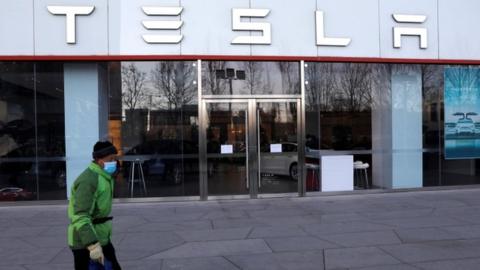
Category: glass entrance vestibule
[251,146]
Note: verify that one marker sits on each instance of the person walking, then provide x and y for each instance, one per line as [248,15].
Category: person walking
[90,228]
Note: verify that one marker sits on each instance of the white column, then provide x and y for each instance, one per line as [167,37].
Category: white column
[382,131]
[407,161]
[81,81]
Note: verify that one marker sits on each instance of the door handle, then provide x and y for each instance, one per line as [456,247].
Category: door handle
[258,150]
[247,171]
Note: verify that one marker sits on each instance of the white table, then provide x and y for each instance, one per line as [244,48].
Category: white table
[337,173]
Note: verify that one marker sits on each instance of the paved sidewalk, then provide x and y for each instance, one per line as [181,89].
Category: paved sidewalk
[399,231]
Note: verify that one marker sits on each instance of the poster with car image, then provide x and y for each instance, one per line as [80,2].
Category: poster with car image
[462,112]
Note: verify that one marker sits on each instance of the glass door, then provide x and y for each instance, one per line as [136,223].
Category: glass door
[226,144]
[251,146]
[278,139]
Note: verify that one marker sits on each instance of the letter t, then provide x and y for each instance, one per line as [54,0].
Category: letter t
[70,12]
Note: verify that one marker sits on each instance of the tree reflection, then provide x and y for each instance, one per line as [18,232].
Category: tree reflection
[255,79]
[133,86]
[175,82]
[342,94]
[213,84]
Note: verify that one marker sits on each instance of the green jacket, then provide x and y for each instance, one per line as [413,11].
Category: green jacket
[90,198]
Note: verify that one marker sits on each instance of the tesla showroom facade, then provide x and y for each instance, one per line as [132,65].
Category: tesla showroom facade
[241,98]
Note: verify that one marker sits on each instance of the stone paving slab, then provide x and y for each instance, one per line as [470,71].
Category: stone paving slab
[172,226]
[465,231]
[207,263]
[141,245]
[307,260]
[464,264]
[388,267]
[394,231]
[399,214]
[425,234]
[302,243]
[214,235]
[8,267]
[237,223]
[435,250]
[31,255]
[345,258]
[421,222]
[363,239]
[142,265]
[344,227]
[214,248]
[277,231]
[225,214]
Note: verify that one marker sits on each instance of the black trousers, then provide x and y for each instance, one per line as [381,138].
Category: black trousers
[82,257]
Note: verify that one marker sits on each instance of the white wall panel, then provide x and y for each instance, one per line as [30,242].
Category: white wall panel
[16,27]
[91,30]
[115,28]
[208,27]
[290,21]
[126,29]
[410,45]
[459,34]
[357,20]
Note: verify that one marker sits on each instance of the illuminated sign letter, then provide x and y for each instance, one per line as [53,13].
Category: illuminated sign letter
[327,41]
[70,12]
[238,25]
[398,32]
[162,25]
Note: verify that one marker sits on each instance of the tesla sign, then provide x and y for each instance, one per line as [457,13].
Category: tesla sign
[240,22]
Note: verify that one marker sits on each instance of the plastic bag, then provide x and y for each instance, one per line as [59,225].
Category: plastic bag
[107,265]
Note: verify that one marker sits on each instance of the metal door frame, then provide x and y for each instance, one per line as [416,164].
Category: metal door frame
[252,150]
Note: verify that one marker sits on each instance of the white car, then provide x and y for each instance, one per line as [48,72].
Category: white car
[465,126]
[450,129]
[280,163]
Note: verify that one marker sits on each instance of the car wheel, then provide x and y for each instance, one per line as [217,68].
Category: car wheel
[294,171]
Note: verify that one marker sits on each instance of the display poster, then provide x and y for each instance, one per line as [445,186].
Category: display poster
[462,109]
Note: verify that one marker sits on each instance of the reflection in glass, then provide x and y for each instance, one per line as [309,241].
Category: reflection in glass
[226,148]
[250,78]
[343,94]
[462,171]
[345,104]
[277,128]
[154,119]
[50,128]
[52,180]
[17,132]
[31,128]
[432,90]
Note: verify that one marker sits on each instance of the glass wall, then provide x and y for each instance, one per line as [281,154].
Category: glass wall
[153,120]
[32,138]
[250,78]
[458,123]
[339,101]
[404,121]
[393,117]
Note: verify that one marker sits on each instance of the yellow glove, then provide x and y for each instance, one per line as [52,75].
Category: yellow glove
[96,253]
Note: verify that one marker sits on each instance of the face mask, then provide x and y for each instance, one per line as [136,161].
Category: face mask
[110,167]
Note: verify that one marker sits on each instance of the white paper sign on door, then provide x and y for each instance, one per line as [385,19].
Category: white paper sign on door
[276,148]
[226,149]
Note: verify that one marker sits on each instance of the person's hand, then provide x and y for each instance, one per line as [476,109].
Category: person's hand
[96,252]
